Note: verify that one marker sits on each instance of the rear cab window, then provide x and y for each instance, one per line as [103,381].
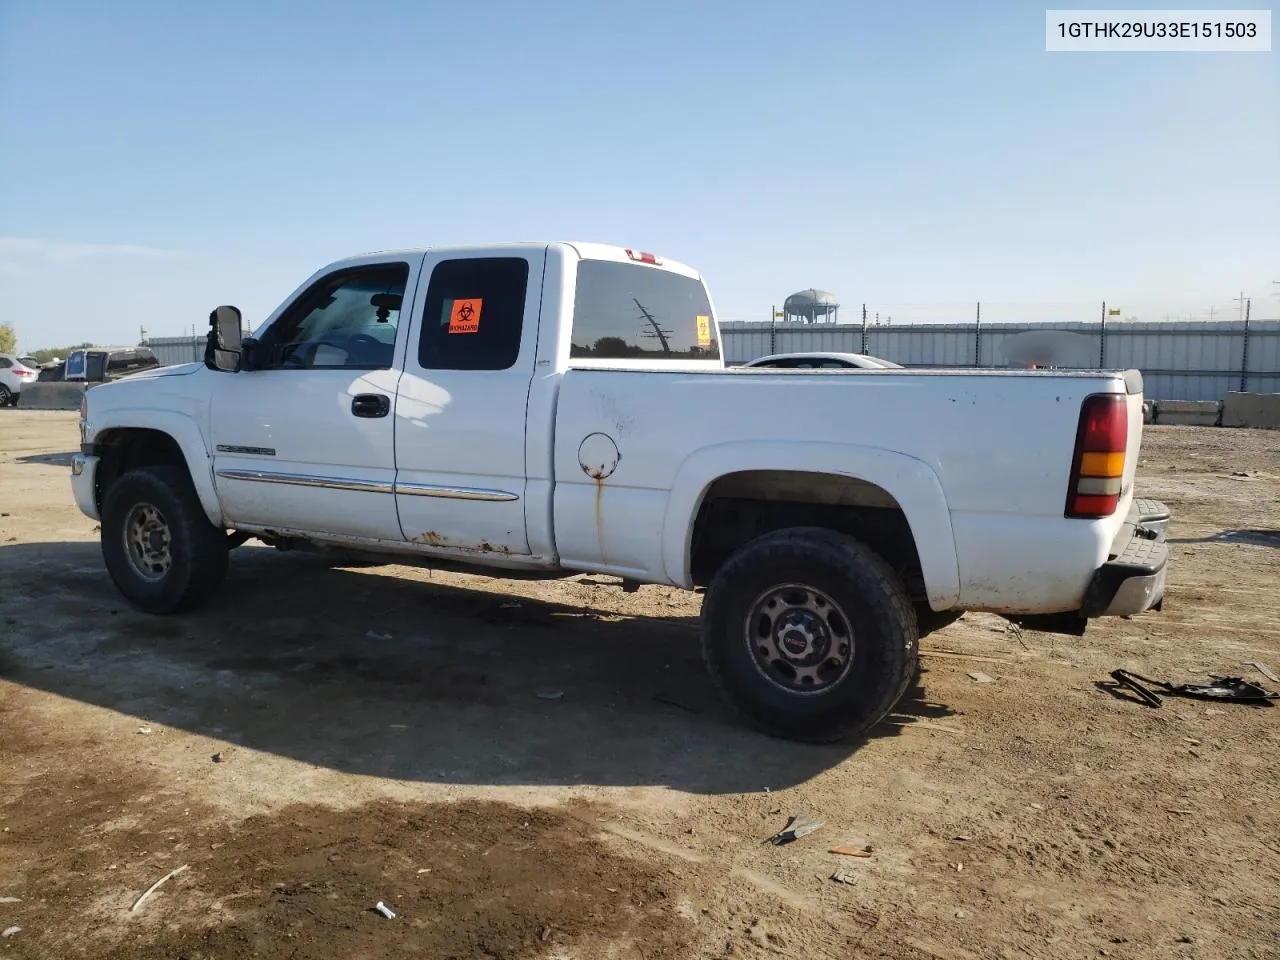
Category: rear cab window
[626,312]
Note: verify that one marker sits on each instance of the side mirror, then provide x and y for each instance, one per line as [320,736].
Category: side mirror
[224,346]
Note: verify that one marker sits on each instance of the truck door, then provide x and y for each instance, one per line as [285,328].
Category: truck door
[305,440]
[460,409]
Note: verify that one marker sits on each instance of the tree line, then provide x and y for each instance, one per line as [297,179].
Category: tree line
[9,345]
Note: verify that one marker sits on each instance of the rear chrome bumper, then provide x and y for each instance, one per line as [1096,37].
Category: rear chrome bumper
[1152,515]
[84,471]
[1133,580]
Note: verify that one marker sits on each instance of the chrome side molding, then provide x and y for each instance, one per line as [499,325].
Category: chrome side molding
[370,486]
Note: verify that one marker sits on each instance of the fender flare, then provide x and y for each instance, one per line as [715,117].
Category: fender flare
[911,482]
[185,432]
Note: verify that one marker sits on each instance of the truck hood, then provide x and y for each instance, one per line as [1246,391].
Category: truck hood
[177,370]
[117,392]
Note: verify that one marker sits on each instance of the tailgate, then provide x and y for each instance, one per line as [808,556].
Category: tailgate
[1133,447]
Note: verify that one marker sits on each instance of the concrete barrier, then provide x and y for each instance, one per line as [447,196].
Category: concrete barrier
[51,395]
[1251,410]
[1188,413]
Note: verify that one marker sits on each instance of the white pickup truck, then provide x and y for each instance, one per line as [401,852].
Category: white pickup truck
[553,408]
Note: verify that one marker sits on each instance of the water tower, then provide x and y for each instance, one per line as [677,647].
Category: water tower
[811,306]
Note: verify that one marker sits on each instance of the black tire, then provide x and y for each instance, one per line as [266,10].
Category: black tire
[864,593]
[196,549]
[7,397]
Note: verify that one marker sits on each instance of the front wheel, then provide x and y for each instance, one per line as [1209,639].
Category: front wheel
[159,547]
[810,635]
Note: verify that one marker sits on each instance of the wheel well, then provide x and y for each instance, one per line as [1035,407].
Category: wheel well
[739,507]
[128,449]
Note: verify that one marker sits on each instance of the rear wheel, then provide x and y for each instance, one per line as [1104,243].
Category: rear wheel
[159,547]
[810,635]
[7,397]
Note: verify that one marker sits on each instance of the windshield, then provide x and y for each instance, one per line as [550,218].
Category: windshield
[630,311]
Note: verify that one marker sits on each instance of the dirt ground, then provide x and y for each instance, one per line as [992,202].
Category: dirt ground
[326,739]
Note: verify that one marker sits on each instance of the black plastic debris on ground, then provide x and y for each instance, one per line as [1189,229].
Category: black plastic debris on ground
[796,828]
[1234,689]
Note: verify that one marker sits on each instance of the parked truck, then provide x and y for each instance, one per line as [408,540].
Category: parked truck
[545,409]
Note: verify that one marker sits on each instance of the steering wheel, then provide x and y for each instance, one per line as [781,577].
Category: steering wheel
[293,356]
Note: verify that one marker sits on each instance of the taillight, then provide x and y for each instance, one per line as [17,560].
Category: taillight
[1097,470]
[641,257]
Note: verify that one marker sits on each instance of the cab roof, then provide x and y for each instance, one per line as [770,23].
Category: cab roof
[585,250]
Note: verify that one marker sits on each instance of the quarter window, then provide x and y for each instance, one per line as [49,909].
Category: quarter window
[474,314]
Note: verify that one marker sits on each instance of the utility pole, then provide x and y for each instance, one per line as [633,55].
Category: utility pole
[658,331]
[977,336]
[1240,300]
[1102,337]
[1244,351]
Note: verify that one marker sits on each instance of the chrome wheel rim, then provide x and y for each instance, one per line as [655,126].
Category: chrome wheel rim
[800,639]
[147,542]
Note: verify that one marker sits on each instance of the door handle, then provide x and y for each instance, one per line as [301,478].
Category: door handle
[370,405]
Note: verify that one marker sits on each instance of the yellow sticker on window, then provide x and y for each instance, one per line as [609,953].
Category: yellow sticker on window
[465,316]
[704,331]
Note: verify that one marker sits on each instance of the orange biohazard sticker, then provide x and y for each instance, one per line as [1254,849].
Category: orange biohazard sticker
[704,331]
[464,317]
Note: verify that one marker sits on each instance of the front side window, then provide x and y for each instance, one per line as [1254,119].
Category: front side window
[630,311]
[345,321]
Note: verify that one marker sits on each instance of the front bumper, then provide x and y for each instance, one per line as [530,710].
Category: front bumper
[1133,579]
[84,470]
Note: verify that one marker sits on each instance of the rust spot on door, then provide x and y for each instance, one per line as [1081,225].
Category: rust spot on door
[432,539]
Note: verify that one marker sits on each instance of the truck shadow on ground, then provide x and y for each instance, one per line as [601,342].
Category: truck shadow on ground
[363,671]
[1255,538]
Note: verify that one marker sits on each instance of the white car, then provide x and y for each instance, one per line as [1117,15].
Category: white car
[823,361]
[14,372]
[556,408]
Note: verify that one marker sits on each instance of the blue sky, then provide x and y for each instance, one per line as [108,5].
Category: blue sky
[161,158]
